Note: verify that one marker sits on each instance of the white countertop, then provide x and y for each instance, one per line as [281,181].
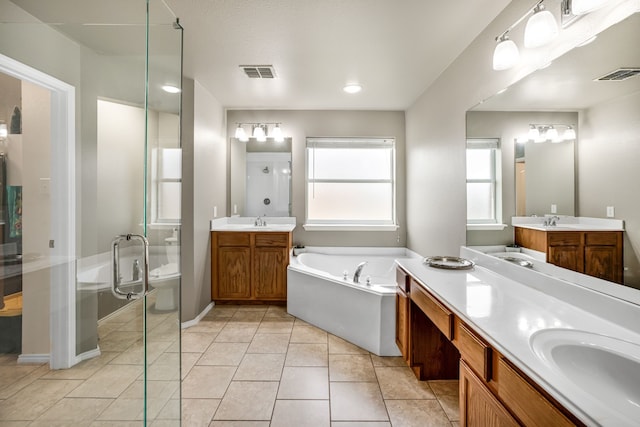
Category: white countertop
[507,313]
[569,223]
[237,223]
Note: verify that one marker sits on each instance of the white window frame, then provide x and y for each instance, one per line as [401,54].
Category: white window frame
[493,223]
[156,193]
[341,224]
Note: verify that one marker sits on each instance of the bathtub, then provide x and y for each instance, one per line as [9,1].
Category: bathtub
[361,313]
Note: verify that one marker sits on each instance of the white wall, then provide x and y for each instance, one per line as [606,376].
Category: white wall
[436,194]
[609,172]
[301,124]
[204,186]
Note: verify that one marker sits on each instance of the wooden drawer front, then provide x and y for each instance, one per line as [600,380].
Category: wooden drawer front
[605,239]
[525,402]
[439,315]
[233,239]
[532,239]
[272,239]
[402,280]
[475,352]
[569,238]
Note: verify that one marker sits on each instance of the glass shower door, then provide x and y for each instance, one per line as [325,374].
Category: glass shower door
[113,147]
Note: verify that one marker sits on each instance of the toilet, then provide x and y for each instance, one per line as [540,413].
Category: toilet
[166,278]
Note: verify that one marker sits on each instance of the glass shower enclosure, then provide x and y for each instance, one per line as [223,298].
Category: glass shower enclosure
[90,216]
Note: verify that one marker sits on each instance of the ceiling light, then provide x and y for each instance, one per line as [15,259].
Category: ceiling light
[506,54]
[352,88]
[171,89]
[276,133]
[541,27]
[241,134]
[581,7]
[258,133]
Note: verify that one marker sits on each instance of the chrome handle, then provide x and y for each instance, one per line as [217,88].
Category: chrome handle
[116,278]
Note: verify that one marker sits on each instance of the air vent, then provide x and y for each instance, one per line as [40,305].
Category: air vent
[620,74]
[259,71]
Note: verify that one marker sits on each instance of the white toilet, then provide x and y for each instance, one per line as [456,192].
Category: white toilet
[166,278]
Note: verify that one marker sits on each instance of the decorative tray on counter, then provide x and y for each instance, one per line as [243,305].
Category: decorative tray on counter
[449,262]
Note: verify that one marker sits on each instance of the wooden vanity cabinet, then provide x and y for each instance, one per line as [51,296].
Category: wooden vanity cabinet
[493,392]
[596,253]
[403,305]
[249,266]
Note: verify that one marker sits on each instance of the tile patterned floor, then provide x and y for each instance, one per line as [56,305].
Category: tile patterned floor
[248,366]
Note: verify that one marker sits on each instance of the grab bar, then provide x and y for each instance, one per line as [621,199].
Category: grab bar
[116,278]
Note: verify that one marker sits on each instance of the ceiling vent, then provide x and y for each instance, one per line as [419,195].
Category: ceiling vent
[259,71]
[620,74]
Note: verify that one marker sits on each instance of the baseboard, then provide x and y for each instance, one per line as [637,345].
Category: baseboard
[199,317]
[25,359]
[88,355]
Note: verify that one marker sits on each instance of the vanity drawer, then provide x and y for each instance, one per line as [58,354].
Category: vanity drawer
[272,239]
[233,238]
[559,238]
[439,314]
[525,402]
[601,238]
[473,350]
[402,280]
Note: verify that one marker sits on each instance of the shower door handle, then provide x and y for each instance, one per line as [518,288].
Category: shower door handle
[116,273]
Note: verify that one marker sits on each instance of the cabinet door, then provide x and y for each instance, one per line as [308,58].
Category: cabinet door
[402,323]
[602,262]
[234,272]
[270,273]
[478,407]
[566,256]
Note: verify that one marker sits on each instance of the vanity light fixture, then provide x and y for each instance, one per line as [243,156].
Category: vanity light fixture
[259,131]
[4,131]
[549,133]
[541,27]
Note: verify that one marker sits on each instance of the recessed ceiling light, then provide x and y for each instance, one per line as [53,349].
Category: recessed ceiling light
[171,89]
[352,88]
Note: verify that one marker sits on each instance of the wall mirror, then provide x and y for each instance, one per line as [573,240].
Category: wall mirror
[260,177]
[596,87]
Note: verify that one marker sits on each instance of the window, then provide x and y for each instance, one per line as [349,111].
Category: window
[167,185]
[482,181]
[350,182]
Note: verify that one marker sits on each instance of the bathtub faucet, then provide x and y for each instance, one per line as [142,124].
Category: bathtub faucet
[356,275]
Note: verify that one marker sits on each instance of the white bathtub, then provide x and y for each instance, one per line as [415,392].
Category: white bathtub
[318,293]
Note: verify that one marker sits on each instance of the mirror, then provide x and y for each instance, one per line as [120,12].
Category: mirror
[260,178]
[606,111]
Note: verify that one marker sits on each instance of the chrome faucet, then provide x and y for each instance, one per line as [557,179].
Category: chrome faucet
[356,275]
[551,221]
[259,222]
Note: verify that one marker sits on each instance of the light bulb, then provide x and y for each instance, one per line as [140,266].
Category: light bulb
[534,133]
[506,54]
[258,133]
[552,134]
[541,28]
[569,134]
[276,133]
[241,134]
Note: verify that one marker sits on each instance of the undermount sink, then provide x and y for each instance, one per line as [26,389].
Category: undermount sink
[605,370]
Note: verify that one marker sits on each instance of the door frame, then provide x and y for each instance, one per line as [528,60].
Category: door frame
[62,306]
